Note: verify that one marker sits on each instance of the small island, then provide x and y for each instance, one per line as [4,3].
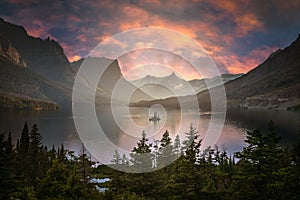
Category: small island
[155,117]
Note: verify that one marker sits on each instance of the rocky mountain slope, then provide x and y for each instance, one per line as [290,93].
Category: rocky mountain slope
[273,84]
[10,53]
[45,57]
[20,88]
[201,85]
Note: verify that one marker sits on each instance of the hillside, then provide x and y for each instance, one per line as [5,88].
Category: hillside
[21,83]
[201,85]
[17,102]
[274,83]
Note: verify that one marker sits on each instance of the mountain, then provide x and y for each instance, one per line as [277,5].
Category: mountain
[110,78]
[172,85]
[45,57]
[200,85]
[33,69]
[274,84]
[163,87]
[20,89]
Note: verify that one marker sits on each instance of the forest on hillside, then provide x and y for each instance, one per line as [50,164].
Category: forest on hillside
[262,170]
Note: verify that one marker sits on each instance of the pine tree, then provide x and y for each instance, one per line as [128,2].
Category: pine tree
[166,155]
[125,160]
[191,146]
[177,146]
[259,163]
[84,164]
[62,153]
[7,178]
[292,173]
[36,158]
[117,160]
[22,154]
[141,156]
[156,153]
[24,140]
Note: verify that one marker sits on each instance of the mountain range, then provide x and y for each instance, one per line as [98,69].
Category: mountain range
[38,70]
[274,84]
[36,74]
[172,85]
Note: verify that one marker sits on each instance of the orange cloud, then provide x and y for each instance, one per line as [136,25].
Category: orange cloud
[245,63]
[37,29]
[74,58]
[247,23]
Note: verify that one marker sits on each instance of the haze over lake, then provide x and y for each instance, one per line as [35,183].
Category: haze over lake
[58,127]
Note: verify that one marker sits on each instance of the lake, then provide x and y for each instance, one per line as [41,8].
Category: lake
[58,127]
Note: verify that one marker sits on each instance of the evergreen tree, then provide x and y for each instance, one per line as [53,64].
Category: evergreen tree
[7,181]
[177,146]
[84,166]
[292,173]
[141,156]
[36,158]
[156,153]
[125,160]
[166,155]
[191,146]
[22,154]
[117,160]
[259,163]
[24,140]
[62,153]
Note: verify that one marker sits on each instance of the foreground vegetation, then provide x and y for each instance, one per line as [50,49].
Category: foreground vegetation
[262,170]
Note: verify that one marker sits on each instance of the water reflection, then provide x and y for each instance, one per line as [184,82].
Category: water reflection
[58,126]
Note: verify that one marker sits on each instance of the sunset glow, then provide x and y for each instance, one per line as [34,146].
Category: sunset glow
[236,34]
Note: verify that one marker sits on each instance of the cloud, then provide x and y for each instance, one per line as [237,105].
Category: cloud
[242,64]
[237,34]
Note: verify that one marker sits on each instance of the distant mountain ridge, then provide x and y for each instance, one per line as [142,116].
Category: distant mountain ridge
[274,84]
[172,85]
[163,87]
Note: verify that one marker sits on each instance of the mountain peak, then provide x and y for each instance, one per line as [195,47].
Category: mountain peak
[148,76]
[172,75]
[46,57]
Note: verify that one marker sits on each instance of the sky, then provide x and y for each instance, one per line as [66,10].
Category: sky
[237,34]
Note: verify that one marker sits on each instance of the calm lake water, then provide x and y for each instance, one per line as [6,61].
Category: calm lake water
[58,127]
